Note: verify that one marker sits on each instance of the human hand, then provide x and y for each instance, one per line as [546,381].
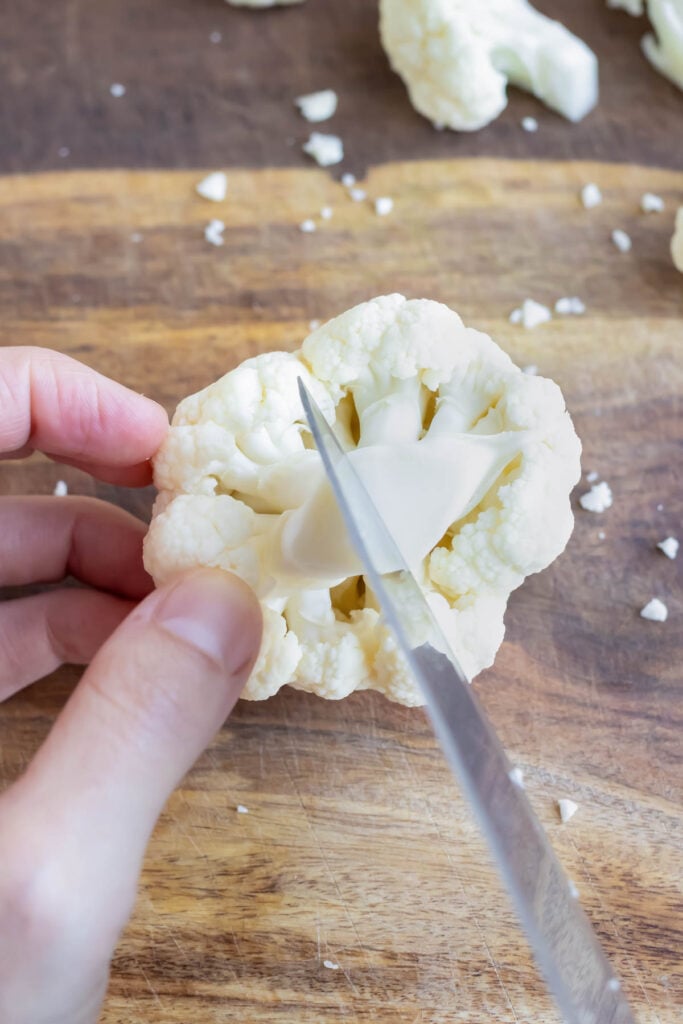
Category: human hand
[165,673]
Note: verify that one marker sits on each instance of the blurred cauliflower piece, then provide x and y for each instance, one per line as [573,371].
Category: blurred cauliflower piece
[261,3]
[457,57]
[469,460]
[677,242]
[664,47]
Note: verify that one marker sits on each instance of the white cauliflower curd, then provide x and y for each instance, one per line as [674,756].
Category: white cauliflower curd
[469,460]
[457,56]
[664,47]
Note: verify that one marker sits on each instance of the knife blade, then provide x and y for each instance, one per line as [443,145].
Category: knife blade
[561,937]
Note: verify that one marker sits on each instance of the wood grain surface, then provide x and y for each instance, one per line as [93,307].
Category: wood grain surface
[193,103]
[357,848]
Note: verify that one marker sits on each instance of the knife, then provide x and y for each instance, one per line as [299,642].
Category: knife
[561,937]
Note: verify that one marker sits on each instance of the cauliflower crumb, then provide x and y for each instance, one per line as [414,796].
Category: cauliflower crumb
[598,499]
[516,776]
[216,37]
[669,546]
[621,240]
[650,203]
[313,325]
[213,187]
[330,965]
[117,90]
[601,535]
[326,213]
[63,152]
[592,477]
[61,489]
[529,124]
[213,232]
[531,314]
[357,194]
[383,206]
[348,180]
[307,226]
[241,809]
[614,984]
[655,611]
[591,195]
[318,106]
[570,306]
[326,150]
[567,809]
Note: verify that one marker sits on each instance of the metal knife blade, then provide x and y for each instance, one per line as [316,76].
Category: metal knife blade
[566,948]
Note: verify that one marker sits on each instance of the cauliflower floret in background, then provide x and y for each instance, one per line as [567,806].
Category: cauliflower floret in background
[261,3]
[664,48]
[469,460]
[457,56]
[677,242]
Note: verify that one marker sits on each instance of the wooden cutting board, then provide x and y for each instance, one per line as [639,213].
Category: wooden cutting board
[357,849]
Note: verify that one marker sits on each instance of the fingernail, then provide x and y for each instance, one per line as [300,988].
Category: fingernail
[217,614]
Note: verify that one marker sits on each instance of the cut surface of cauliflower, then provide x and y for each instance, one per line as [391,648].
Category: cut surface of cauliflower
[456,58]
[469,461]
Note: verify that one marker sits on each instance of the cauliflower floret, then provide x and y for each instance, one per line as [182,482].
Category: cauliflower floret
[261,3]
[469,461]
[677,242]
[456,58]
[664,47]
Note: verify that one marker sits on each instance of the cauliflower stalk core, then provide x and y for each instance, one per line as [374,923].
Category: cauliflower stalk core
[469,461]
[457,57]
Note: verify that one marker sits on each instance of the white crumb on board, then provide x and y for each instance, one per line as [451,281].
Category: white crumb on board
[598,499]
[331,965]
[117,90]
[213,232]
[348,180]
[63,152]
[326,150]
[516,775]
[650,203]
[660,508]
[307,226]
[669,546]
[655,611]
[357,194]
[61,489]
[601,535]
[567,809]
[529,124]
[326,213]
[215,37]
[621,240]
[530,314]
[592,477]
[317,106]
[383,206]
[241,809]
[570,305]
[213,187]
[591,195]
[313,325]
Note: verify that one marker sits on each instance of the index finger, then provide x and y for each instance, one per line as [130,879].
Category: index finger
[69,411]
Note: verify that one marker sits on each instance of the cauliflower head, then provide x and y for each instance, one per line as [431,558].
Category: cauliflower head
[457,56]
[469,461]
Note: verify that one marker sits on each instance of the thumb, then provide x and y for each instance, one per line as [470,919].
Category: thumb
[149,703]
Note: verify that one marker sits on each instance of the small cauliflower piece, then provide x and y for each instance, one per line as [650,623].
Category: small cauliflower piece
[213,187]
[669,546]
[655,611]
[677,242]
[469,461]
[567,809]
[326,150]
[456,58]
[317,106]
[598,499]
